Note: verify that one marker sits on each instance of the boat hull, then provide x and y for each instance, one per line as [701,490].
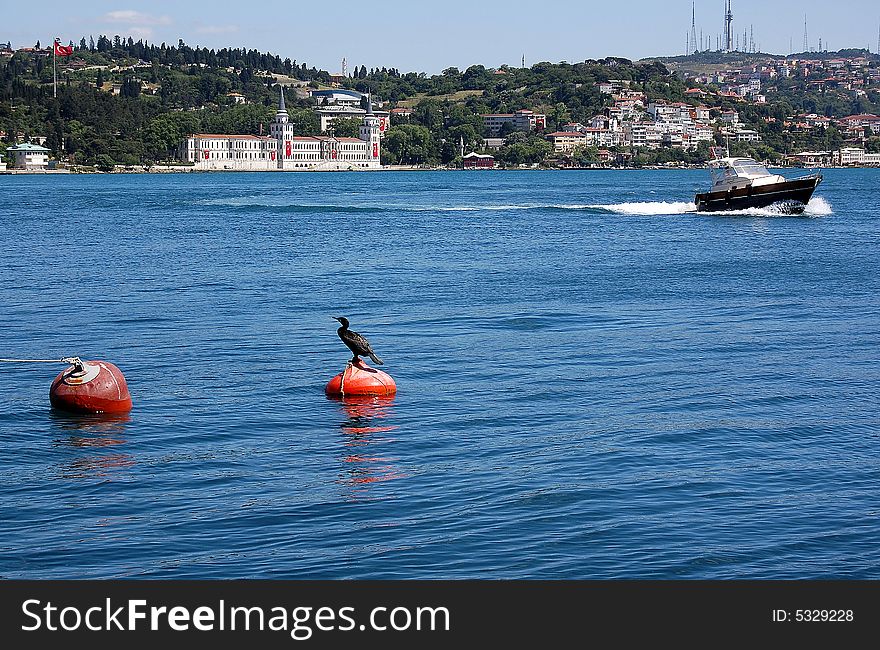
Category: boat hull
[793,195]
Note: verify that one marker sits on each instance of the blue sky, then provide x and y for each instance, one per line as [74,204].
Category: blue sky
[431,36]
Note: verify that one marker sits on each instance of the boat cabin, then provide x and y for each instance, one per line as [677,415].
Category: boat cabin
[735,173]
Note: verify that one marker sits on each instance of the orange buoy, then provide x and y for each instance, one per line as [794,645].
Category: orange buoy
[360,379]
[90,387]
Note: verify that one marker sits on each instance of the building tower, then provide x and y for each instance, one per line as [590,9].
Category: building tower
[728,28]
[370,134]
[282,130]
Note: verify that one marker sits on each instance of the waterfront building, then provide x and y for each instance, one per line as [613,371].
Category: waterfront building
[282,150]
[230,152]
[2,164]
[856,156]
[478,161]
[326,152]
[813,158]
[28,156]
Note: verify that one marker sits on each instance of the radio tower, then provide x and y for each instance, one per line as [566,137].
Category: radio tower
[806,42]
[728,32]
[694,27]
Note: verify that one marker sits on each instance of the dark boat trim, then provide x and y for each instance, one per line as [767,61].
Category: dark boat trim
[798,189]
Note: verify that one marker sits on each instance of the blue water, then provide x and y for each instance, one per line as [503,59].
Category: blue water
[594,381]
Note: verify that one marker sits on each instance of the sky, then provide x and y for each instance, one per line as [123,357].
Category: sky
[431,36]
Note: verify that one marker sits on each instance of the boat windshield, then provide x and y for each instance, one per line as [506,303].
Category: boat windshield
[728,170]
[750,168]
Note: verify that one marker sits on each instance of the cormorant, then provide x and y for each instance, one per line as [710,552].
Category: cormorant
[355,342]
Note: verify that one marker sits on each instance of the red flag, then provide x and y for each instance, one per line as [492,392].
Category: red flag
[376,149]
[62,50]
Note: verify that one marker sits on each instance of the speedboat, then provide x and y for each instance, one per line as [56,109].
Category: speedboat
[740,183]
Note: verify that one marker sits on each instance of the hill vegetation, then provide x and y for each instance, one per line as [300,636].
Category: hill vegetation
[129,102]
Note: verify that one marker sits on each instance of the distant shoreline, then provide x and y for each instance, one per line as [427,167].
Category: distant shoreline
[390,168]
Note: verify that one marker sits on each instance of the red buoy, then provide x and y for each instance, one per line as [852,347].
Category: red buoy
[90,387]
[360,379]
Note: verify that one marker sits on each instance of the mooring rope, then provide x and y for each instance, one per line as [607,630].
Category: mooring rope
[73,361]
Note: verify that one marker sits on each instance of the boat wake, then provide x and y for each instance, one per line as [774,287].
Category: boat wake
[649,208]
[817,207]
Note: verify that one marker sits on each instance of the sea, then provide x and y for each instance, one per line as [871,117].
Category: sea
[594,380]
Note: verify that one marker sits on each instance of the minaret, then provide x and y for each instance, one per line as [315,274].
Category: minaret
[370,134]
[282,130]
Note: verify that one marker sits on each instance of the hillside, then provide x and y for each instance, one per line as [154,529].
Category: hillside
[121,101]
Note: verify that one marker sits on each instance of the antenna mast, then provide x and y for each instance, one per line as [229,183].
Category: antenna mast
[694,26]
[728,32]
[806,42]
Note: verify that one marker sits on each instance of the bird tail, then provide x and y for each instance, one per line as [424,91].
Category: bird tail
[376,359]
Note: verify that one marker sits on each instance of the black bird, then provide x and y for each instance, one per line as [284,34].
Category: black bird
[358,344]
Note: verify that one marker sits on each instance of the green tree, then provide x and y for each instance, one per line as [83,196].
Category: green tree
[346,127]
[409,144]
[104,163]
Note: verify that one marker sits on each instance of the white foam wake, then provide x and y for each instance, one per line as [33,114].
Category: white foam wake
[649,208]
[817,207]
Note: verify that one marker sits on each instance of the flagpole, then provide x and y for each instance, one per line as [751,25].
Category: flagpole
[54,74]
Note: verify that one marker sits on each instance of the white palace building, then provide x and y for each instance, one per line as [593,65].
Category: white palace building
[284,151]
